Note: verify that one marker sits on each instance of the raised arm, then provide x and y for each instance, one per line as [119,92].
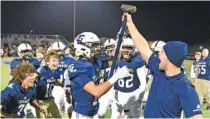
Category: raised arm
[139,41]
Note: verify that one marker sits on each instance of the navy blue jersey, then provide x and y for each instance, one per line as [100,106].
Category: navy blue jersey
[17,61]
[104,60]
[131,83]
[63,64]
[105,74]
[79,74]
[14,98]
[204,68]
[46,81]
[169,95]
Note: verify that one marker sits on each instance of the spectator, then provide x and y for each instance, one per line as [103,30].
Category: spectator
[195,68]
[202,84]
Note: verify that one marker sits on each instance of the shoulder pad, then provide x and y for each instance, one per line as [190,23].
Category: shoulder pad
[15,62]
[35,62]
[138,60]
[42,69]
[68,60]
[78,67]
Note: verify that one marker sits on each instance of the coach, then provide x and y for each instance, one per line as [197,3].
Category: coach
[171,91]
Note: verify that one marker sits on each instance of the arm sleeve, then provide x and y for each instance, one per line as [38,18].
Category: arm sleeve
[36,63]
[13,64]
[142,78]
[67,81]
[34,95]
[82,79]
[188,98]
[153,64]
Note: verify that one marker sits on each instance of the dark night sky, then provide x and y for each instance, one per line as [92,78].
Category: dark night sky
[186,21]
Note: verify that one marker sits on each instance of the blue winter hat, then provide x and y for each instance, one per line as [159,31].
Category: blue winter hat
[176,51]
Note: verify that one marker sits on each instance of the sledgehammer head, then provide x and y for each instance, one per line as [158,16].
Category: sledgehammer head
[128,8]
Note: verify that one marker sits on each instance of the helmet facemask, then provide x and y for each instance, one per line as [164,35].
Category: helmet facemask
[95,50]
[26,54]
[127,52]
[110,50]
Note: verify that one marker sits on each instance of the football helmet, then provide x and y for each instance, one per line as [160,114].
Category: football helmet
[87,44]
[157,46]
[109,46]
[24,51]
[58,47]
[109,42]
[127,48]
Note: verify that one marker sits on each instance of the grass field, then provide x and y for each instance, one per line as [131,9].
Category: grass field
[5,70]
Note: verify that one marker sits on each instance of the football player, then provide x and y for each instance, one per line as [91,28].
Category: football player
[40,53]
[62,97]
[19,92]
[129,91]
[106,99]
[84,76]
[24,52]
[48,76]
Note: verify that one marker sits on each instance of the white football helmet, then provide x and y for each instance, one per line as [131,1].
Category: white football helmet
[109,42]
[24,50]
[86,44]
[157,46]
[127,47]
[57,46]
[109,46]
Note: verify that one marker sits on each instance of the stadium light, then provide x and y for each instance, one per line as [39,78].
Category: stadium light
[201,47]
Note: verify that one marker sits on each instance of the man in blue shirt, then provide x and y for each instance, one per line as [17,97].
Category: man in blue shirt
[171,91]
[202,84]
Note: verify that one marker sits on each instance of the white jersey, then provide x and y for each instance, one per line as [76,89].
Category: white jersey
[194,70]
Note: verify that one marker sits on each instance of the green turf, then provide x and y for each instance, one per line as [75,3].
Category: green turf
[5,70]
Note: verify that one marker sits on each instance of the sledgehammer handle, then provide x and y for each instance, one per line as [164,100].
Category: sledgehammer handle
[123,27]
